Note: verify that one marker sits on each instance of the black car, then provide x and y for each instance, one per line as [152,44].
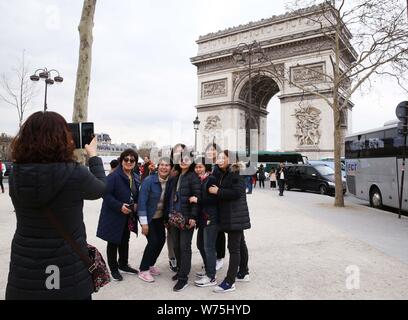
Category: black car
[307,177]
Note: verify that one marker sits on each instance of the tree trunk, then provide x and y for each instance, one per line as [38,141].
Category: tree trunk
[84,63]
[85,27]
[339,197]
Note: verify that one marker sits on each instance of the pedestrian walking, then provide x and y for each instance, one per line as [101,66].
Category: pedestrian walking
[46,178]
[207,224]
[119,202]
[2,172]
[182,216]
[272,178]
[234,219]
[281,176]
[261,176]
[151,207]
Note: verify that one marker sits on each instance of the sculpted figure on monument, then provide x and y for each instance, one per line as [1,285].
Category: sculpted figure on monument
[307,126]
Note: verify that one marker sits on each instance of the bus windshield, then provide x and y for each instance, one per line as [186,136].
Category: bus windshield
[324,170]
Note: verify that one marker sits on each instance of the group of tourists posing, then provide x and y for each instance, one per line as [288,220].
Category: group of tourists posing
[182,194]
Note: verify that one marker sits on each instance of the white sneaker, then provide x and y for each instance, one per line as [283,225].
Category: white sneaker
[201,273]
[219,264]
[205,282]
[242,278]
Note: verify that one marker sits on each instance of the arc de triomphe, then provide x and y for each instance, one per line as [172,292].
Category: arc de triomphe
[290,41]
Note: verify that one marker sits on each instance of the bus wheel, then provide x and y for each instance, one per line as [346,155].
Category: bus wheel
[375,198]
[287,188]
[323,189]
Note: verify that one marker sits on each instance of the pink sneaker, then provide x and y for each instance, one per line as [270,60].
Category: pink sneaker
[154,271]
[146,276]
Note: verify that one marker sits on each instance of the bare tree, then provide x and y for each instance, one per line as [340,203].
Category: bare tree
[80,113]
[5,143]
[85,27]
[368,38]
[145,148]
[18,91]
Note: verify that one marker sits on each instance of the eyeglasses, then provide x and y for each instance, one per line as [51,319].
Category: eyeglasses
[131,160]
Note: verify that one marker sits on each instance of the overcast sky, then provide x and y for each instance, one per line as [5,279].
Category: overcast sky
[143,85]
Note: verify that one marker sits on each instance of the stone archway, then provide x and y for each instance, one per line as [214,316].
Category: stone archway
[291,41]
[254,95]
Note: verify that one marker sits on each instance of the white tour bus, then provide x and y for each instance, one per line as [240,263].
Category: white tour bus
[373,166]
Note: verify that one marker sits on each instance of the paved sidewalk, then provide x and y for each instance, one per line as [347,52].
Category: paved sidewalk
[299,246]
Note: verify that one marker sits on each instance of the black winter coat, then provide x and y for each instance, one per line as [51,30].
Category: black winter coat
[36,243]
[190,185]
[278,172]
[232,204]
[208,204]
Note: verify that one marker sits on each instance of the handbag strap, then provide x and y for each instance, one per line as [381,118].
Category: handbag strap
[63,233]
[74,245]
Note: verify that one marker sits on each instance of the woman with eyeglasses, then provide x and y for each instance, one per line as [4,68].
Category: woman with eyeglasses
[186,184]
[119,201]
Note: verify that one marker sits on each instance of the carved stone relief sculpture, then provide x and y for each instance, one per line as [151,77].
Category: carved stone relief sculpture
[212,89]
[304,74]
[212,129]
[307,125]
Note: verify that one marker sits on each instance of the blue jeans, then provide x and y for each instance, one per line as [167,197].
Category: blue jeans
[206,243]
[249,183]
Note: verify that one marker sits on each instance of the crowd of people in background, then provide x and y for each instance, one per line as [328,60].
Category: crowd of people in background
[170,199]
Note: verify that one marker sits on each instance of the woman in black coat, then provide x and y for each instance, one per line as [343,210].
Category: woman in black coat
[211,154]
[234,219]
[44,175]
[185,185]
[119,201]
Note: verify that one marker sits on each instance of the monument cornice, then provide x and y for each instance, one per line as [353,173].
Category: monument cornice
[261,23]
[288,40]
[231,105]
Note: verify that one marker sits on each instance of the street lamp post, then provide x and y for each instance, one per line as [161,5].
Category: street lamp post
[196,124]
[244,53]
[47,76]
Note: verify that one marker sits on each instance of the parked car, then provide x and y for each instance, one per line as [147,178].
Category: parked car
[308,177]
[330,164]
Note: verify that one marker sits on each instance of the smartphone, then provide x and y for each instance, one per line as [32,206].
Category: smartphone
[87,133]
[82,133]
[74,127]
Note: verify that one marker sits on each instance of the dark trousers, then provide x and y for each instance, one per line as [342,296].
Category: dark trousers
[1,183]
[182,250]
[206,244]
[123,249]
[262,183]
[156,238]
[249,184]
[281,184]
[273,184]
[238,255]
[220,245]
